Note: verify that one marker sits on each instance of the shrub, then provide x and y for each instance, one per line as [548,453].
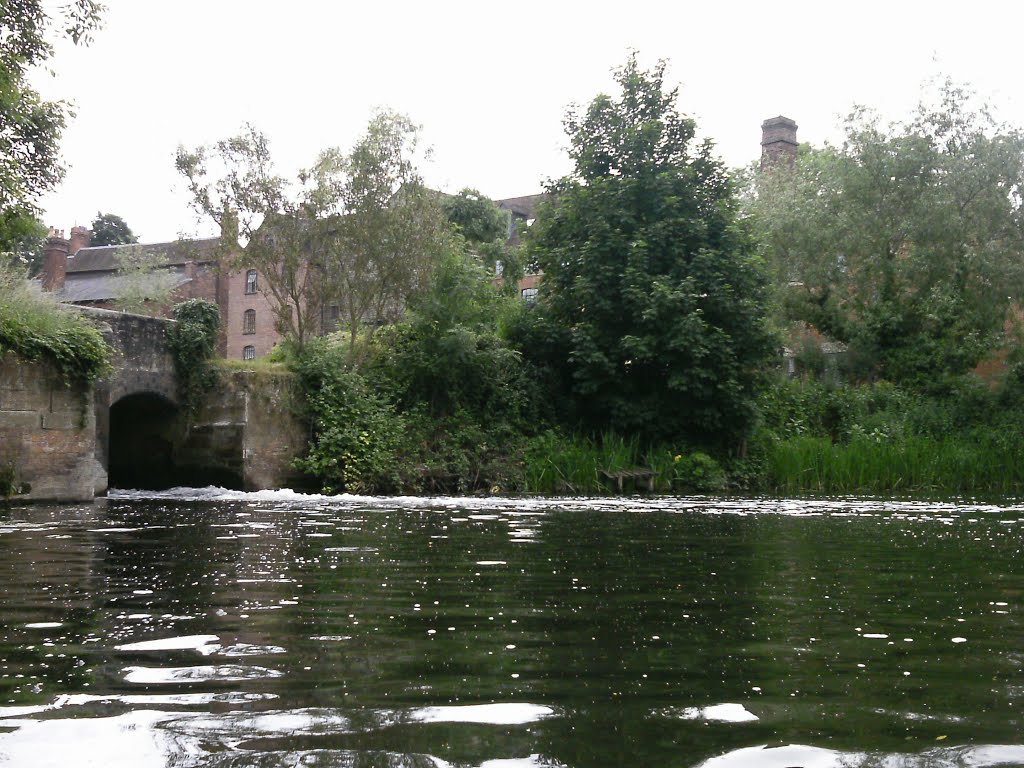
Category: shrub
[193,342]
[356,434]
[35,327]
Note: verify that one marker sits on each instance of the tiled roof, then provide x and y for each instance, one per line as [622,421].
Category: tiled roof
[523,206]
[104,258]
[108,285]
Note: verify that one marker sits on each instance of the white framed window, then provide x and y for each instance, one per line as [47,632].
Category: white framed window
[249,321]
[249,352]
[529,295]
[250,281]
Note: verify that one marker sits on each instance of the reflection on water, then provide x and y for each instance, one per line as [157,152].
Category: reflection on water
[212,628]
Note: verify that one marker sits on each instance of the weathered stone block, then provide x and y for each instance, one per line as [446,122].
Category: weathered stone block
[62,420]
[35,398]
[20,419]
[65,399]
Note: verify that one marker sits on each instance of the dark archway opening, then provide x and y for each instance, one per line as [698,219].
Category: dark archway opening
[144,429]
[149,448]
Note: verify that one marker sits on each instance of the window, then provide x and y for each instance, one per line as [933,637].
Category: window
[249,353]
[529,295]
[249,321]
[250,281]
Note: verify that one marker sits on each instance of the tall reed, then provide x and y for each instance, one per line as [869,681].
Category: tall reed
[907,465]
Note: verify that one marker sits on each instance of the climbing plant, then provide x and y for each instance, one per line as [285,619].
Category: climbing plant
[193,342]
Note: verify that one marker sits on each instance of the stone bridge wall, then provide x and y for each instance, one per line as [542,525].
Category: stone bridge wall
[143,361]
[54,440]
[47,435]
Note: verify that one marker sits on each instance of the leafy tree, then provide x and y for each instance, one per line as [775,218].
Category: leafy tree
[485,228]
[21,237]
[111,229]
[906,240]
[476,217]
[358,231]
[234,183]
[651,314]
[379,232]
[144,283]
[30,128]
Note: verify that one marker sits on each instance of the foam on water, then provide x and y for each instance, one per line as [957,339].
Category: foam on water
[937,511]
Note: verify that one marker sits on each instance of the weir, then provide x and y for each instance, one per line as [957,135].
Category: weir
[131,431]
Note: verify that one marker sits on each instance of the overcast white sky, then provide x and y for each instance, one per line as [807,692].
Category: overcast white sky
[489,82]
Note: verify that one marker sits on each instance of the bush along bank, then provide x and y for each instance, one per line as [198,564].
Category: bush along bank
[879,439]
[444,403]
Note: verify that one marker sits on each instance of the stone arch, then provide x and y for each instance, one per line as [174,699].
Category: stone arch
[153,446]
[146,432]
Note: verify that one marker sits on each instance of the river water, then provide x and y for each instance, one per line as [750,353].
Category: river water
[212,628]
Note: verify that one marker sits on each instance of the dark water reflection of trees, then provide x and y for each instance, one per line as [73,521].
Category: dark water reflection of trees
[380,635]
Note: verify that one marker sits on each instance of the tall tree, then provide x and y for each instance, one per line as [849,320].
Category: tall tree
[358,231]
[21,237]
[234,183]
[379,231]
[485,229]
[145,286]
[906,240]
[652,310]
[30,127]
[476,217]
[111,229]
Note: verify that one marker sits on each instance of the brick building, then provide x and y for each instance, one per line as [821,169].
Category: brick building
[198,269]
[193,269]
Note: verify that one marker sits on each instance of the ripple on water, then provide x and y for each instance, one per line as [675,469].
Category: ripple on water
[985,756]
[203,673]
[508,713]
[185,642]
[716,713]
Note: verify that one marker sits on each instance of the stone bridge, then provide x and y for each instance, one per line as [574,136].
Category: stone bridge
[130,430]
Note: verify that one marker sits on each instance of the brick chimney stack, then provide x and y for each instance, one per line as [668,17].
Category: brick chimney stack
[778,141]
[55,260]
[80,237]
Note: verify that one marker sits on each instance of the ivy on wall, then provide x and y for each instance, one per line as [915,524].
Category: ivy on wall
[193,342]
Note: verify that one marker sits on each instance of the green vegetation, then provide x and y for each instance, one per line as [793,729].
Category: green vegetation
[438,402]
[880,439]
[354,239]
[36,328]
[30,127]
[193,343]
[145,286]
[651,317]
[649,355]
[905,242]
[111,229]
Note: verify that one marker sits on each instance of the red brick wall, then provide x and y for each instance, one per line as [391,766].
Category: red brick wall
[266,335]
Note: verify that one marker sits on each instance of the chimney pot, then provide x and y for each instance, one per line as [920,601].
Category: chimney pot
[778,141]
[80,237]
[55,260]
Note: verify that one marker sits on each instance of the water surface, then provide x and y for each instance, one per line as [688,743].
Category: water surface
[225,629]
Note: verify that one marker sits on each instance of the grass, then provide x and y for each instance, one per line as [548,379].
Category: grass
[909,465]
[556,463]
[35,327]
[259,365]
